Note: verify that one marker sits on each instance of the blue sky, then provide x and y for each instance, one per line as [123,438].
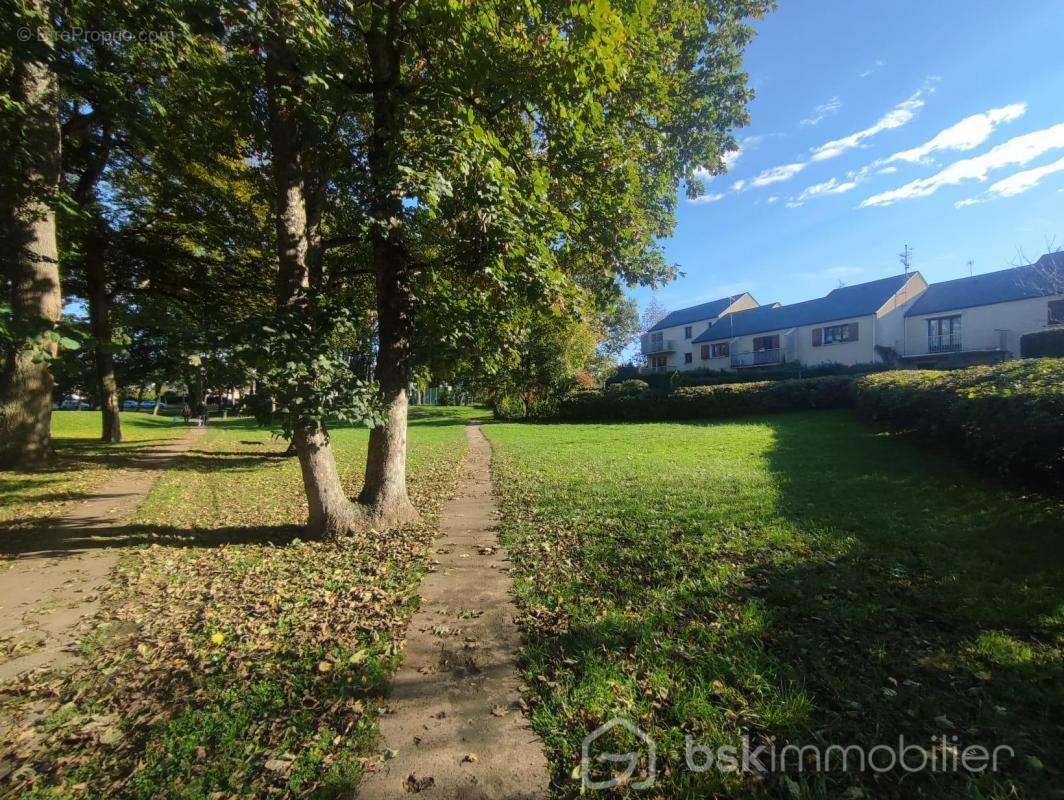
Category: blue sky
[877,125]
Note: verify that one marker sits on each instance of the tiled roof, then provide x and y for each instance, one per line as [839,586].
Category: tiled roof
[1018,283]
[845,302]
[685,316]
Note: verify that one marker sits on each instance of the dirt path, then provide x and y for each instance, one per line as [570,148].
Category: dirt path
[51,577]
[455,727]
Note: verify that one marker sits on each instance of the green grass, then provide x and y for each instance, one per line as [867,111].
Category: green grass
[231,658]
[800,579]
[29,498]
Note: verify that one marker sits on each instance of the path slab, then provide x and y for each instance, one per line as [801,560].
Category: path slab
[51,577]
[455,727]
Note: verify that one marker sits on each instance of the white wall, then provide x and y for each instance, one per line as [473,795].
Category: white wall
[676,334]
[859,352]
[980,325]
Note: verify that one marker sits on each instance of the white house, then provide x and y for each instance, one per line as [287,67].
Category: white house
[844,327]
[668,345]
[985,314]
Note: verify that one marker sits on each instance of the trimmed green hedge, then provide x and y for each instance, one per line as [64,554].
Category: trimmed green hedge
[1042,343]
[707,402]
[669,381]
[1007,417]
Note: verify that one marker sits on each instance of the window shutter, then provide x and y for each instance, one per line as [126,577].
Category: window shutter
[853,331]
[705,352]
[818,337]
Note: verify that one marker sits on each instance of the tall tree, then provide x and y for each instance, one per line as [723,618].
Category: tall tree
[30,184]
[477,162]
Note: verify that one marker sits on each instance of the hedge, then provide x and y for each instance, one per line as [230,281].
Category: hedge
[1042,343]
[705,402]
[1007,417]
[665,382]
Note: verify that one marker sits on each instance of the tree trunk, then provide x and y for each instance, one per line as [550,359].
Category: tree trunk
[330,510]
[158,399]
[31,266]
[384,492]
[100,320]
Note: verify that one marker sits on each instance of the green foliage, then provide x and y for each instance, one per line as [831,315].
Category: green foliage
[1043,343]
[628,401]
[1008,418]
[299,359]
[39,335]
[550,353]
[665,381]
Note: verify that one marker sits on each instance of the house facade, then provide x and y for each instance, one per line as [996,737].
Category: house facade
[899,318]
[669,345]
[843,327]
[985,314]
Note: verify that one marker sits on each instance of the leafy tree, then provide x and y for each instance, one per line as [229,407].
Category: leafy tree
[476,162]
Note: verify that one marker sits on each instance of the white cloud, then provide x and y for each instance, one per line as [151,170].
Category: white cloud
[888,170]
[1015,184]
[707,198]
[821,112]
[1018,151]
[872,69]
[784,172]
[967,134]
[773,199]
[900,115]
[830,186]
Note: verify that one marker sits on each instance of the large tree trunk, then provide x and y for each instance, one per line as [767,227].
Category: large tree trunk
[384,491]
[100,320]
[330,510]
[31,264]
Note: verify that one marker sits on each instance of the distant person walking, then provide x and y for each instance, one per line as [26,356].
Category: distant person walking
[186,412]
[201,412]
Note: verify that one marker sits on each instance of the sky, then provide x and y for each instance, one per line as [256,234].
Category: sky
[937,124]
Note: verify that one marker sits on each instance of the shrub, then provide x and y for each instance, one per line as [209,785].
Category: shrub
[1008,417]
[1043,343]
[707,402]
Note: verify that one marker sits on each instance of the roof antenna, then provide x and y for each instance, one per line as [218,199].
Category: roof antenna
[971,267]
[906,258]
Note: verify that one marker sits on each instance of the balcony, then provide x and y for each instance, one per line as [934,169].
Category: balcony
[758,358]
[944,343]
[653,345]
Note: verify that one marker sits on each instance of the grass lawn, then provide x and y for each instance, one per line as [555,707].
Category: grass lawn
[800,579]
[82,461]
[232,659]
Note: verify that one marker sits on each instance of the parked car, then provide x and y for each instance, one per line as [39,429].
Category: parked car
[129,405]
[74,404]
[147,404]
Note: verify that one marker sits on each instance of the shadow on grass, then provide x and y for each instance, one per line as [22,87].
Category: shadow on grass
[45,538]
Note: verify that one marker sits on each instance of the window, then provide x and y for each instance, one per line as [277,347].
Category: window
[835,334]
[687,357]
[943,334]
[687,332]
[721,350]
[705,352]
[1056,312]
[762,343]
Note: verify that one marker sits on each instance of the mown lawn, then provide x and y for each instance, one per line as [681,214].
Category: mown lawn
[800,579]
[231,658]
[82,463]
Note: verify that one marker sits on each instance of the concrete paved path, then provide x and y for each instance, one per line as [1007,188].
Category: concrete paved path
[51,577]
[455,727]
